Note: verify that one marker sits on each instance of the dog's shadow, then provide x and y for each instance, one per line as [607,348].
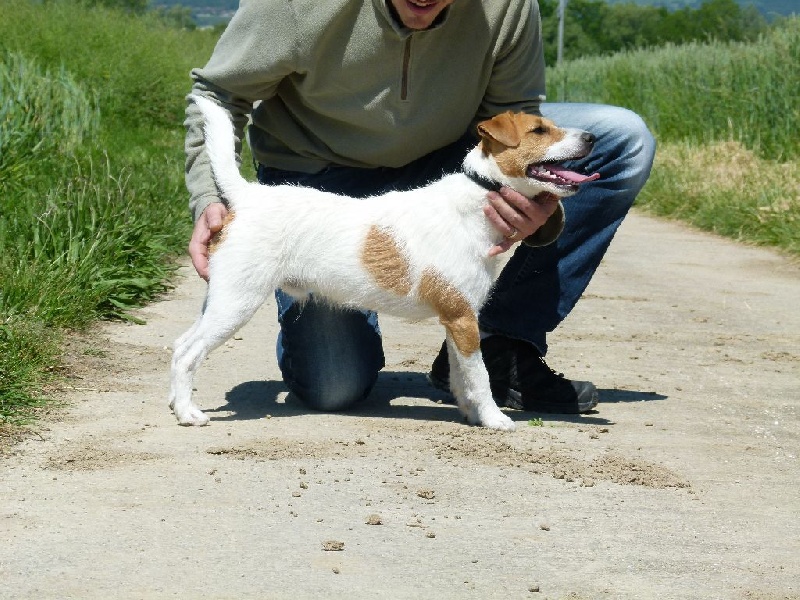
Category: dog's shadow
[259,399]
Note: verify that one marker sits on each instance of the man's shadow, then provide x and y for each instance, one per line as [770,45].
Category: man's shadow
[258,399]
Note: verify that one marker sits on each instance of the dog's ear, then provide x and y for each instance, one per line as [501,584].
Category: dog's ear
[500,128]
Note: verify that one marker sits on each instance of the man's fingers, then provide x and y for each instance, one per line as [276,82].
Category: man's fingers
[505,218]
[547,202]
[198,251]
[214,216]
[500,224]
[538,208]
[521,213]
[209,223]
[500,248]
[515,216]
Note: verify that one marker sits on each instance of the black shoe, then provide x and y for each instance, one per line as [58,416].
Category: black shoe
[498,360]
[520,379]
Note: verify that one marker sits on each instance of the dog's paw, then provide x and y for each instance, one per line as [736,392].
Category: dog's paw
[192,416]
[498,421]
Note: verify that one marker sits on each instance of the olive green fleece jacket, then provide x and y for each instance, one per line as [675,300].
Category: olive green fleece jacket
[340,82]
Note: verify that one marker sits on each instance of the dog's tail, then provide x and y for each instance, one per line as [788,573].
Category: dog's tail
[220,145]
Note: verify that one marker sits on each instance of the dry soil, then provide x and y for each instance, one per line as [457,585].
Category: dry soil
[682,484]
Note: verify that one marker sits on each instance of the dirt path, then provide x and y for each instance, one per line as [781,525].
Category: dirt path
[684,484]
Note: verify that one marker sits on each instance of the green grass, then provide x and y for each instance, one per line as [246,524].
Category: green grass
[73,245]
[94,208]
[79,240]
[727,189]
[137,66]
[702,93]
[726,118]
[43,114]
[85,249]
[28,354]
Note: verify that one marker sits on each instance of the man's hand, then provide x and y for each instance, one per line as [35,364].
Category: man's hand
[517,217]
[209,223]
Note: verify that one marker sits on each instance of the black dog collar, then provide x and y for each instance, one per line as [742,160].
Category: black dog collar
[484,182]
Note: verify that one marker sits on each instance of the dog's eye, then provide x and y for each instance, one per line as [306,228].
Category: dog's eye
[540,130]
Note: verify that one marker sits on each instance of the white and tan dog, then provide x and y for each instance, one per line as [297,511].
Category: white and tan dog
[379,253]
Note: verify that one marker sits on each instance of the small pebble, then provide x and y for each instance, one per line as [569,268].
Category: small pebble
[332,546]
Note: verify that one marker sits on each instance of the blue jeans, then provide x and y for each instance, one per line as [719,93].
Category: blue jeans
[330,357]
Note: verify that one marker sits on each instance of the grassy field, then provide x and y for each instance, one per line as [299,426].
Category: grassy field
[94,212]
[91,177]
[726,118]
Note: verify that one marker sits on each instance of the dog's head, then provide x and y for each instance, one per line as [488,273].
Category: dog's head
[525,153]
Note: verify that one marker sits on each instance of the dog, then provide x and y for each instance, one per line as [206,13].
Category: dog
[375,253]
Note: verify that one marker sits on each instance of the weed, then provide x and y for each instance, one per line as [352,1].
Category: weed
[28,356]
[96,352]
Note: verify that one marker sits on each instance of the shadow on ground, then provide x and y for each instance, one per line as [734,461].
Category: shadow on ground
[258,399]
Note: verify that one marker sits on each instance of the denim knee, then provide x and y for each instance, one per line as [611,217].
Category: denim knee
[333,391]
[329,357]
[637,146]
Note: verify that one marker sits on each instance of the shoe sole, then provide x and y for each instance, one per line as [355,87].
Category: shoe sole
[559,409]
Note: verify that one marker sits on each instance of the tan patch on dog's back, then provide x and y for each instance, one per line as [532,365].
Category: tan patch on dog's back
[384,260]
[219,237]
[454,311]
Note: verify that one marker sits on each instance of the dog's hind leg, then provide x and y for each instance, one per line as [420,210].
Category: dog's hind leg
[186,359]
[221,318]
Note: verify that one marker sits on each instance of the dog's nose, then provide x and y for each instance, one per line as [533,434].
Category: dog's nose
[588,137]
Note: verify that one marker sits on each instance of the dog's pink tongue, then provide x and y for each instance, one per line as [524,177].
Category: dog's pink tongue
[572,176]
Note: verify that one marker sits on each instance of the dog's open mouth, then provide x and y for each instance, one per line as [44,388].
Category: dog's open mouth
[558,175]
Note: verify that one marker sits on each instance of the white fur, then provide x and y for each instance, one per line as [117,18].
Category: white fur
[306,241]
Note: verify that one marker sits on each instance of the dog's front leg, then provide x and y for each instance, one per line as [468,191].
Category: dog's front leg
[469,380]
